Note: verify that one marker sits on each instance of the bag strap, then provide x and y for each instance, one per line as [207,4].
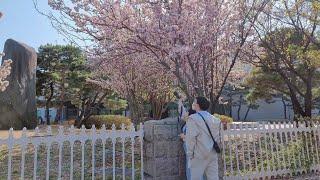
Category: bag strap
[181,123]
[181,109]
[214,141]
[180,114]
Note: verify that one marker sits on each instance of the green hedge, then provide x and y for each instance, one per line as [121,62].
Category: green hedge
[108,120]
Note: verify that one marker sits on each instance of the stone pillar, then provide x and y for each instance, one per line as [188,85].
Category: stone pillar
[164,156]
[18,101]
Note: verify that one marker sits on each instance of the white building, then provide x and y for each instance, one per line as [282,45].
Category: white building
[269,111]
[41,112]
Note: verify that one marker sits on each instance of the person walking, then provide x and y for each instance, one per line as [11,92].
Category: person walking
[201,141]
[184,116]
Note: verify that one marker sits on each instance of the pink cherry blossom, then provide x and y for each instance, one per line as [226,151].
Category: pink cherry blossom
[197,44]
[5,70]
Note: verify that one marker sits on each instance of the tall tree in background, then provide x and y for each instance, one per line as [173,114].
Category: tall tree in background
[265,85]
[198,42]
[290,42]
[58,67]
[237,97]
[46,79]
[288,65]
[88,95]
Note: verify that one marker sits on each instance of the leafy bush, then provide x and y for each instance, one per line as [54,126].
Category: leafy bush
[308,119]
[224,119]
[108,120]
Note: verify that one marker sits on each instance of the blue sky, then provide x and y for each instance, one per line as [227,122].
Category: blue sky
[23,23]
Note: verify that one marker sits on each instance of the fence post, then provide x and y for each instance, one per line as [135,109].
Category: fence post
[103,131]
[311,150]
[254,134]
[318,142]
[71,134]
[262,169]
[132,153]
[113,152]
[35,158]
[141,135]
[224,149]
[23,151]
[315,130]
[292,139]
[60,144]
[123,139]
[93,143]
[247,130]
[48,145]
[83,141]
[278,143]
[237,153]
[296,134]
[285,129]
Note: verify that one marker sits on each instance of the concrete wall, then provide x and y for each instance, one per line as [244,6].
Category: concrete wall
[272,111]
[265,111]
[164,156]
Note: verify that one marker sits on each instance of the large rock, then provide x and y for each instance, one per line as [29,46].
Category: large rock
[18,101]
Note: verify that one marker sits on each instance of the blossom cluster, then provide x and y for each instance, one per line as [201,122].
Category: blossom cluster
[196,42]
[5,71]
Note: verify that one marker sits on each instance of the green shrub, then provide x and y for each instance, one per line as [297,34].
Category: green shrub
[308,119]
[108,120]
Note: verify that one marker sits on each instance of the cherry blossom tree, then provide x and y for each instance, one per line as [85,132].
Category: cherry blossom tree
[137,79]
[198,42]
[5,70]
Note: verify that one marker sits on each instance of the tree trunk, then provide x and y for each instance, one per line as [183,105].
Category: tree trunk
[88,109]
[62,93]
[230,105]
[212,103]
[308,98]
[58,115]
[239,107]
[284,107]
[297,109]
[48,113]
[48,104]
[80,113]
[134,111]
[247,112]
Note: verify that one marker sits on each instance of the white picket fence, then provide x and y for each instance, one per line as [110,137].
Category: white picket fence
[64,154]
[266,150]
[251,151]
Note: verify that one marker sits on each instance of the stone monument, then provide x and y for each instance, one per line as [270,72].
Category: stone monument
[164,156]
[18,101]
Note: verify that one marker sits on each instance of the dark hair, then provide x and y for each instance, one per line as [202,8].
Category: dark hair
[191,111]
[203,103]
